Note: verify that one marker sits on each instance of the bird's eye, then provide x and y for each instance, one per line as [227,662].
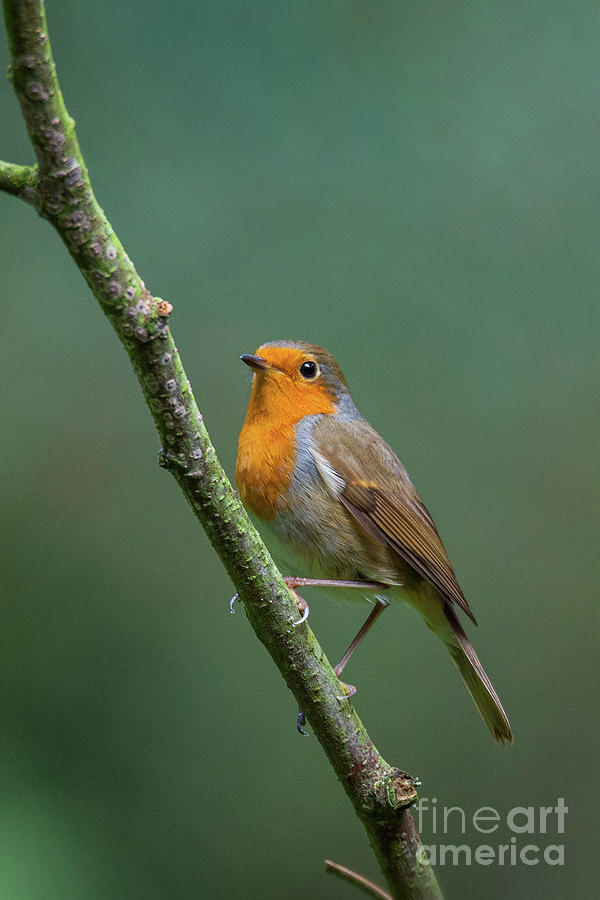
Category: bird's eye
[309,369]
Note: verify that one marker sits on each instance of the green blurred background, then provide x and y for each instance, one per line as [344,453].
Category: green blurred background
[415,186]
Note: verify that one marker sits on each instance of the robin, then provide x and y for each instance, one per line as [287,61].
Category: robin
[328,490]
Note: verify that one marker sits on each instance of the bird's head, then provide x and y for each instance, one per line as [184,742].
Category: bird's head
[293,379]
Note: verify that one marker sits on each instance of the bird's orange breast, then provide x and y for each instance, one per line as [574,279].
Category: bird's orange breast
[266,448]
[264,468]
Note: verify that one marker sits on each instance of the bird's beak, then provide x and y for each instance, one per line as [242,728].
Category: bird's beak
[255,362]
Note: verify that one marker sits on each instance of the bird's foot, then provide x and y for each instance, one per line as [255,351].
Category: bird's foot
[348,689]
[294,582]
[303,608]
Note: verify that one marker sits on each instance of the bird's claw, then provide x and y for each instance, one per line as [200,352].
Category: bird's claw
[303,608]
[348,689]
[300,721]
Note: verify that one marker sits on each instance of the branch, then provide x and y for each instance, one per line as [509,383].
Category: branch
[362,883]
[61,191]
[22,181]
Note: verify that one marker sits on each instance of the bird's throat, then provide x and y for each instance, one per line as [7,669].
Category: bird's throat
[266,448]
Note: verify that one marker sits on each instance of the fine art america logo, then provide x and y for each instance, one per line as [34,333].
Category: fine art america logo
[525,835]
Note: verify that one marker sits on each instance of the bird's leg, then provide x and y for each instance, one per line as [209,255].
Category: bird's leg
[293,582]
[349,689]
[380,605]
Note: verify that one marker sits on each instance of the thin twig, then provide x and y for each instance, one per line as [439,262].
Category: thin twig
[359,880]
[21,181]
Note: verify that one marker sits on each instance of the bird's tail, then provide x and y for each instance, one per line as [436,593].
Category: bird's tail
[442,619]
[476,679]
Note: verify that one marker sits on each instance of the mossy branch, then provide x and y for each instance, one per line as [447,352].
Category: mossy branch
[22,181]
[59,187]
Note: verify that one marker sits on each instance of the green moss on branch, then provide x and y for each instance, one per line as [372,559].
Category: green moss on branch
[22,181]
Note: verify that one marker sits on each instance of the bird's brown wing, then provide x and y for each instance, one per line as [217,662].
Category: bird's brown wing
[394,514]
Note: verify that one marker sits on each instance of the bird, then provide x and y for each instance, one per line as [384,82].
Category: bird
[329,493]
